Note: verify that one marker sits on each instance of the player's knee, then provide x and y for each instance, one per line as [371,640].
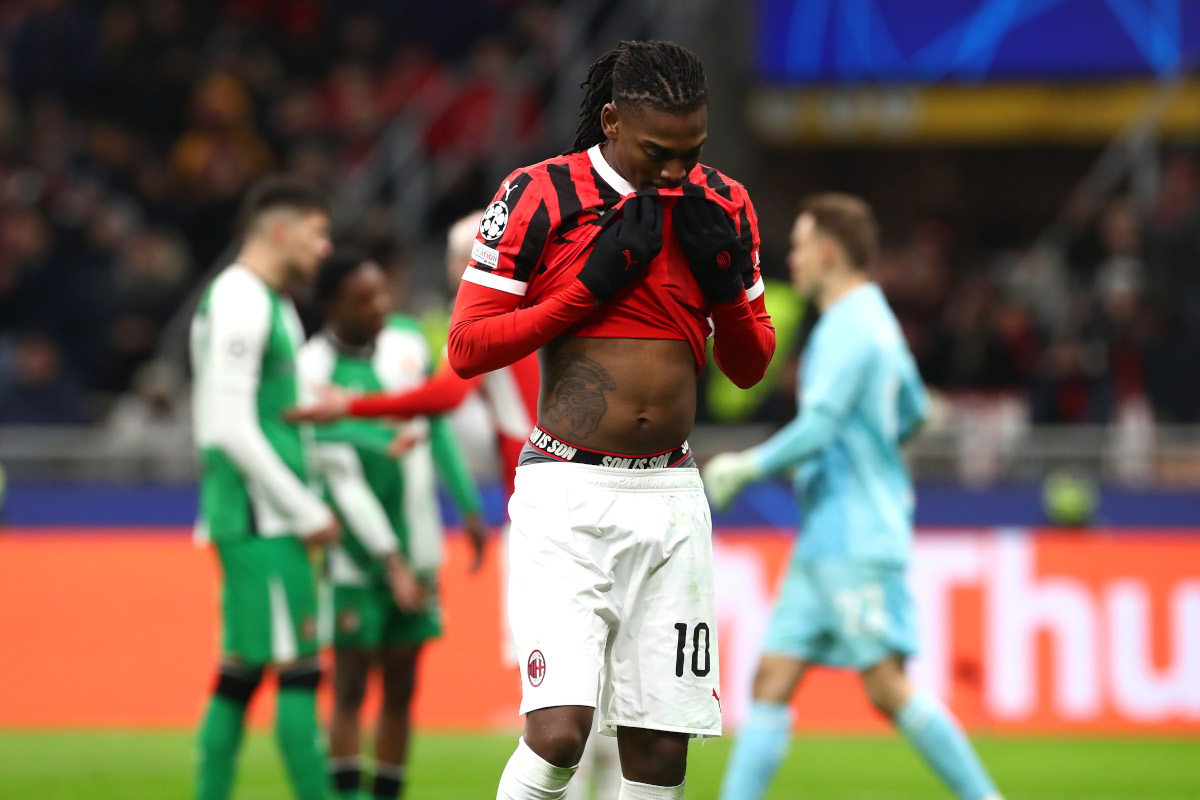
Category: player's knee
[558,738]
[302,676]
[237,683]
[773,683]
[887,696]
[658,758]
[349,685]
[398,687]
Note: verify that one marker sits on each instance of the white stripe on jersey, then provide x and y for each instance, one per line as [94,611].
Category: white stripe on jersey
[478,276]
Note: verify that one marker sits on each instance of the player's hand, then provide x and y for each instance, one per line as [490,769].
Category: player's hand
[625,248]
[330,534]
[725,476]
[406,590]
[401,443]
[714,251]
[332,403]
[477,532]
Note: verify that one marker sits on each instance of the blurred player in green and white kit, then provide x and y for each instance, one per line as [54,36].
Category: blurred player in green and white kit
[384,572]
[256,506]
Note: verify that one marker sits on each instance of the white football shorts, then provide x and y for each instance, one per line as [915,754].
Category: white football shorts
[611,595]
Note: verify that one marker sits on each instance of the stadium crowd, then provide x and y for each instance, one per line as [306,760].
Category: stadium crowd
[129,131]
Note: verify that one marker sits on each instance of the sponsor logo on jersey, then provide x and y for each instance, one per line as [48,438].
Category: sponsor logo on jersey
[544,441]
[717,697]
[494,221]
[536,668]
[484,254]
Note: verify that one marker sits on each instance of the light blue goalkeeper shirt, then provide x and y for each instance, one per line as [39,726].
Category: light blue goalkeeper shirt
[860,397]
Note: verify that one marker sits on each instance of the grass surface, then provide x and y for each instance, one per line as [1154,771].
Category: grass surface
[135,766]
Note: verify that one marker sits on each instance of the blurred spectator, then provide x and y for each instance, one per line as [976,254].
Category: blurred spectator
[41,389]
[152,423]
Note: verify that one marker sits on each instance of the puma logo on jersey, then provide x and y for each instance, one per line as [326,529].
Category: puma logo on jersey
[629,262]
[717,697]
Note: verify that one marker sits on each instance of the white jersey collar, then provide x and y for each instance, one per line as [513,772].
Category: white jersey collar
[605,171]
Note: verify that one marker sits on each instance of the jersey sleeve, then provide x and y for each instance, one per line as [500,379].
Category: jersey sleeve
[747,222]
[365,516]
[743,336]
[512,236]
[912,403]
[442,392]
[833,384]
[240,321]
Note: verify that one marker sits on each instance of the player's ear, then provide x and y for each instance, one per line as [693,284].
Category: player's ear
[610,121]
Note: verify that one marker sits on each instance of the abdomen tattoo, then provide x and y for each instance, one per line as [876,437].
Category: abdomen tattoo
[579,386]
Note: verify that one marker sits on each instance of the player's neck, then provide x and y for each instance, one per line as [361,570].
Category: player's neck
[261,259]
[838,286]
[347,341]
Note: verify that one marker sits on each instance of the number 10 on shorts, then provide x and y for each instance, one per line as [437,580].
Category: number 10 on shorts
[697,670]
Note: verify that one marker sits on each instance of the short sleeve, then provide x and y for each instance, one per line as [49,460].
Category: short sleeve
[512,236]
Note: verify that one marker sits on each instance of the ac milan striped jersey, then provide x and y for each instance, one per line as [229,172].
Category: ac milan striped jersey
[539,229]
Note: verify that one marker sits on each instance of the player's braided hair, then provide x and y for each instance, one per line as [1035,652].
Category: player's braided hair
[658,74]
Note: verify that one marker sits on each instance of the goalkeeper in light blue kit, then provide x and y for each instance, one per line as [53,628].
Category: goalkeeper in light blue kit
[844,602]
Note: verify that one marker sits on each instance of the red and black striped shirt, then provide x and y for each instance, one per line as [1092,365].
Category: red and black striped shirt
[538,231]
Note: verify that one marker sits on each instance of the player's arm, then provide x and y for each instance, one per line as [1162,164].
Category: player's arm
[489,329]
[724,263]
[912,405]
[460,484]
[240,319]
[442,392]
[366,519]
[437,395]
[835,385]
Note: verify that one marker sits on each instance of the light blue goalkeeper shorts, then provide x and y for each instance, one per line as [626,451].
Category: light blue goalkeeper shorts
[849,614]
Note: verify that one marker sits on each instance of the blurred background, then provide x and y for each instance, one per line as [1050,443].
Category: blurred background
[1035,166]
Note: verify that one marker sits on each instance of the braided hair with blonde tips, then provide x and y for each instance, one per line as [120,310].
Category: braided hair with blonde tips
[658,74]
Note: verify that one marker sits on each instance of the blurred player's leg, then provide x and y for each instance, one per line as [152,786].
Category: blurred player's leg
[350,667]
[599,775]
[221,733]
[391,738]
[930,728]
[766,732]
[296,729]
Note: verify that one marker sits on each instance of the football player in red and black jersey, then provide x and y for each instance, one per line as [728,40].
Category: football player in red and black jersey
[615,262]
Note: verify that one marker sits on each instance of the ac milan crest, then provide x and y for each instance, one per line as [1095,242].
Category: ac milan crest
[536,668]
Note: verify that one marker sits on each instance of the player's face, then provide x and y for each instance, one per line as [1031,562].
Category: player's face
[648,147]
[807,256]
[362,305]
[304,239]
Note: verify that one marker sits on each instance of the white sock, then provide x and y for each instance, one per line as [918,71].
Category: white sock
[632,790]
[528,776]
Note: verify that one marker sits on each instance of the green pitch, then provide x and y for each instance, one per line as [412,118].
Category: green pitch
[135,766]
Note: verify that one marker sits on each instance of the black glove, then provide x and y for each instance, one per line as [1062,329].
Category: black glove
[711,243]
[624,249]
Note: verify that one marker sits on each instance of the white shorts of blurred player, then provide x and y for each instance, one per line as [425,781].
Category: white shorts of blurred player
[611,598]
